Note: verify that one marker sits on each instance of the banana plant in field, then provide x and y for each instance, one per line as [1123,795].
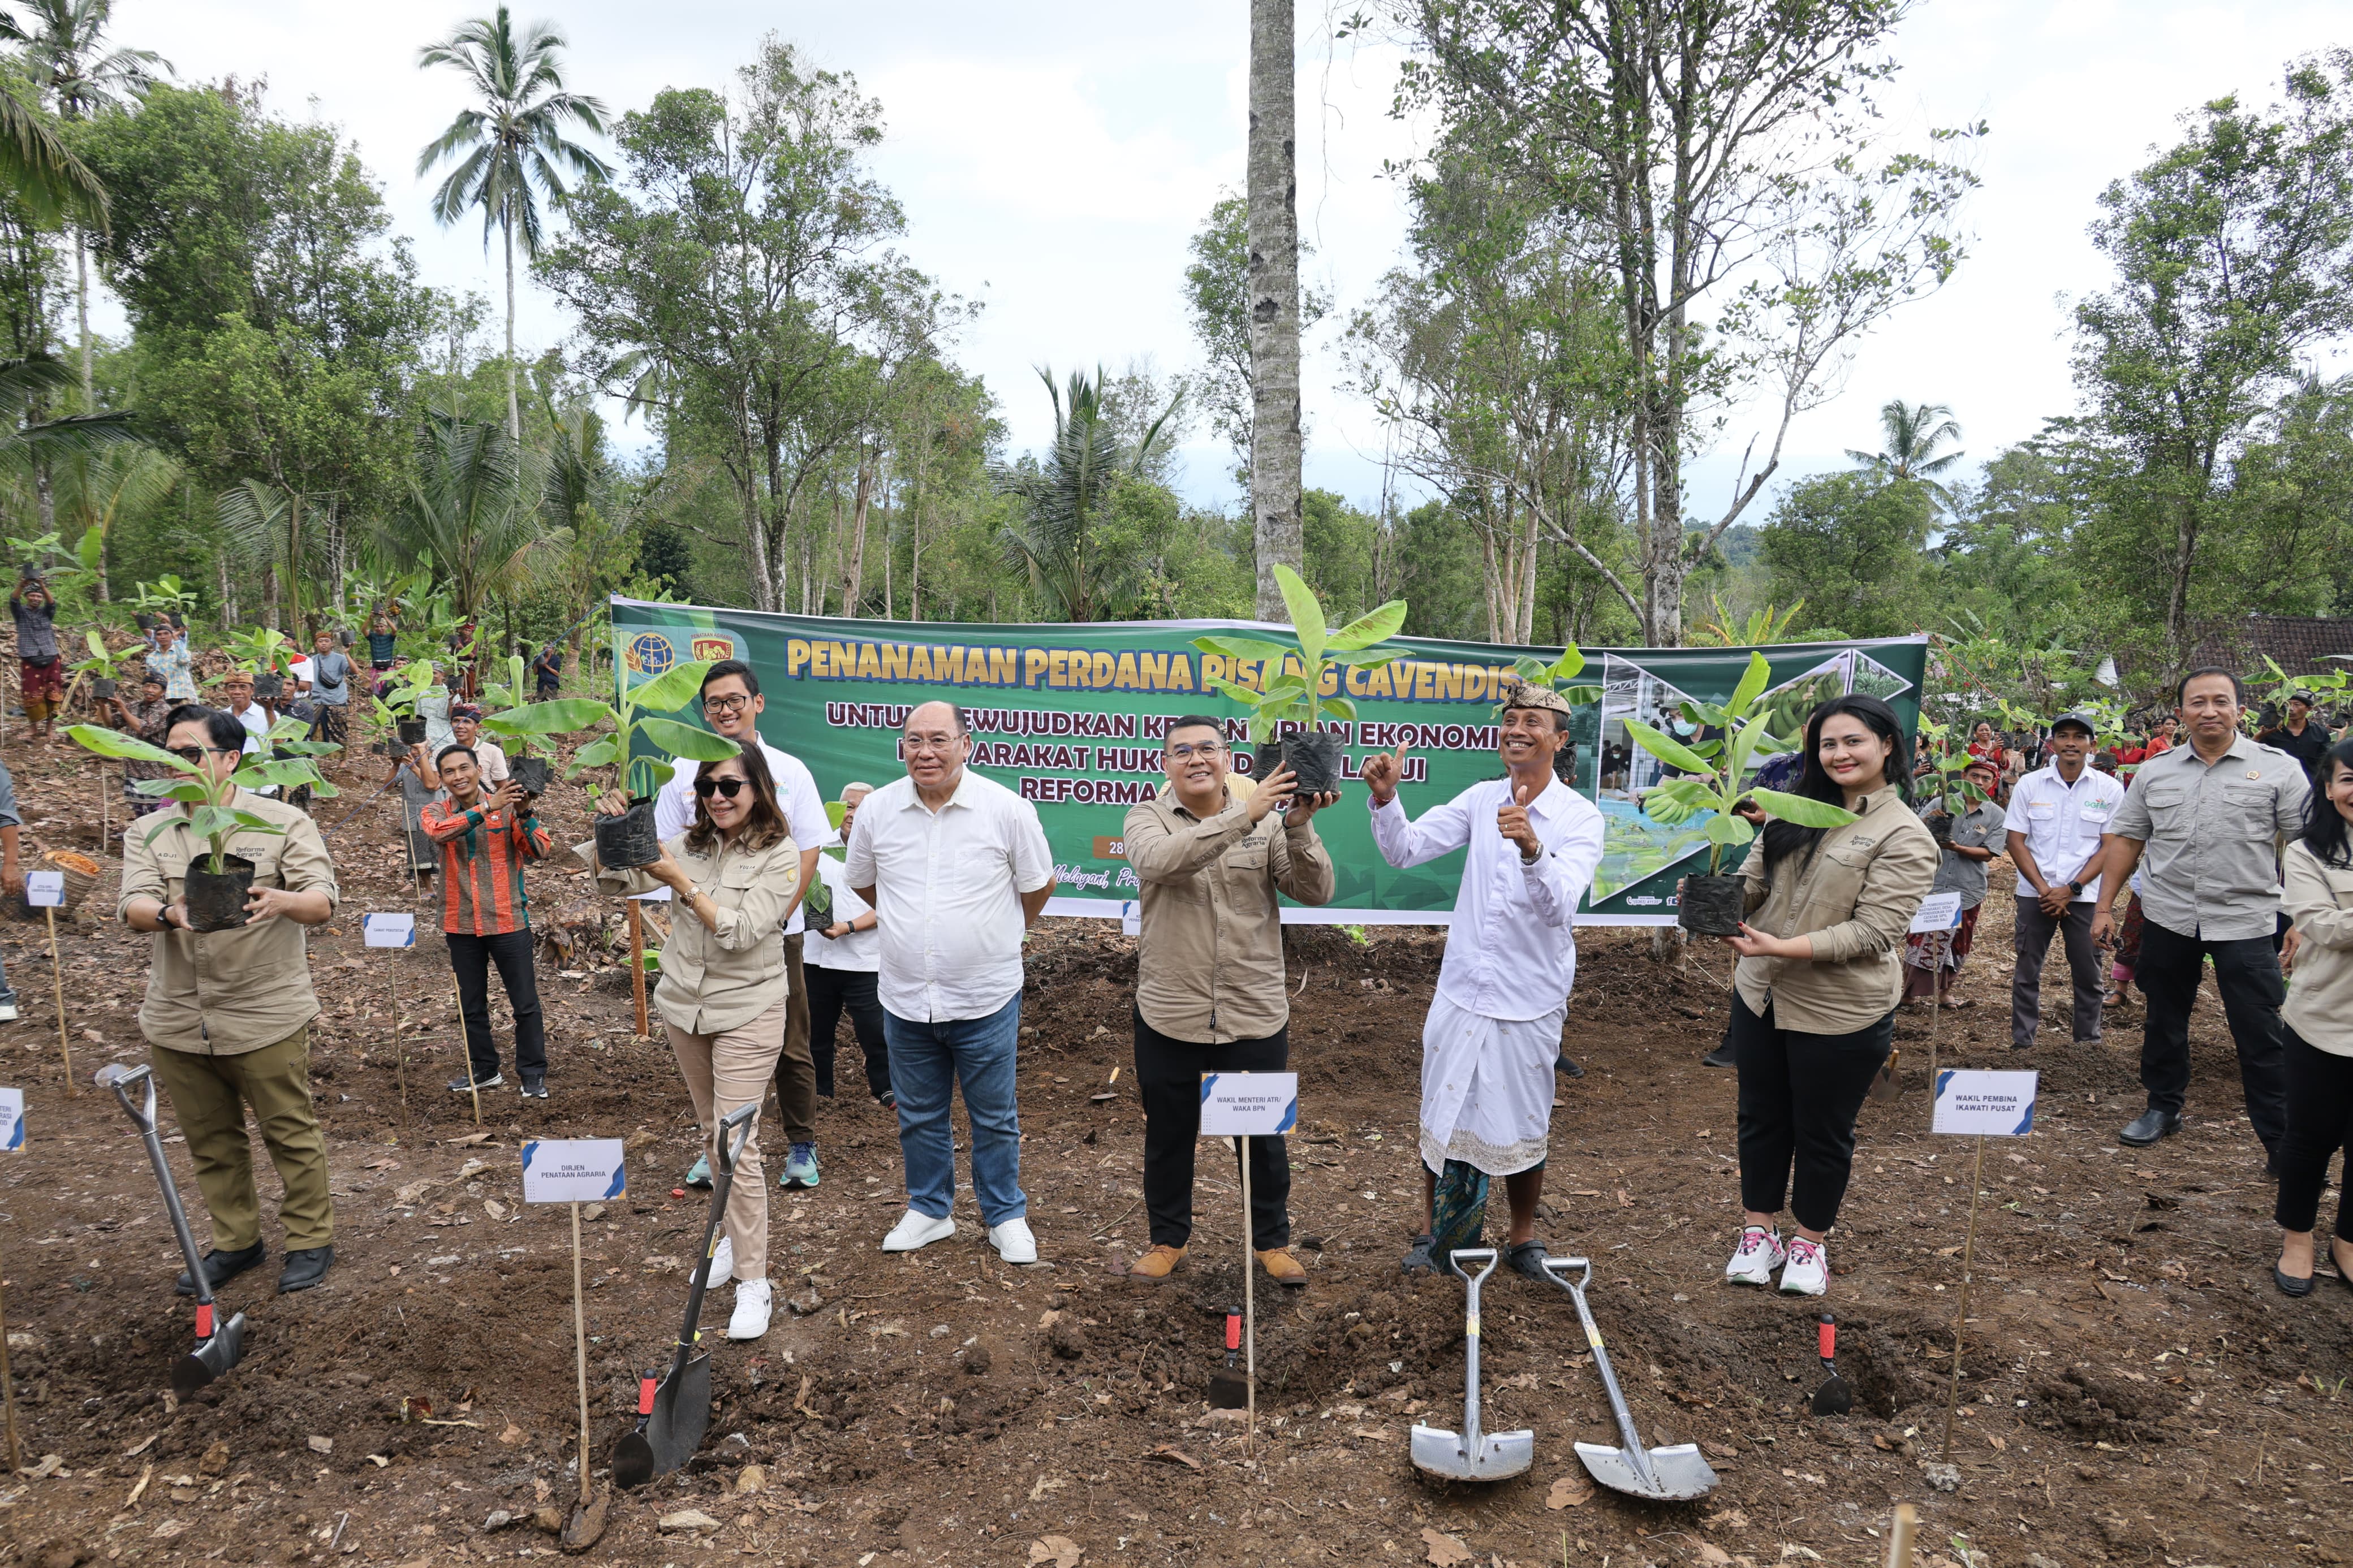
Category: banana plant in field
[104,666]
[1295,696]
[1711,778]
[639,714]
[1948,765]
[214,885]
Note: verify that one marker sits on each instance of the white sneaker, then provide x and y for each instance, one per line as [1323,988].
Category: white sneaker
[751,1316]
[1013,1241]
[722,1264]
[1808,1273]
[916,1229]
[8,1012]
[1759,1253]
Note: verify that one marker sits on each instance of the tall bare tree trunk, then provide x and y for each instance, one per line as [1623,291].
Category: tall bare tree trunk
[853,554]
[81,306]
[514,412]
[1273,239]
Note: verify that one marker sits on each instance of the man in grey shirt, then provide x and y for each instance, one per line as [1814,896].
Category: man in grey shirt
[2205,822]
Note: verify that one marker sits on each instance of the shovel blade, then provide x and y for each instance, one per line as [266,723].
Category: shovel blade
[1229,1391]
[211,1359]
[1498,1454]
[681,1415]
[633,1461]
[1834,1397]
[1675,1475]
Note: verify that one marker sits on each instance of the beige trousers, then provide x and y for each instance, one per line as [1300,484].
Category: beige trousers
[726,1072]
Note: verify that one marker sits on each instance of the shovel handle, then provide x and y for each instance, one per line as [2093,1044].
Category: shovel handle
[119,1078]
[1474,1254]
[1233,1330]
[1826,1338]
[738,1122]
[646,1386]
[1555,1265]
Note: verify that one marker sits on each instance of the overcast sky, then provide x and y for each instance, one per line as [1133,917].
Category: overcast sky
[1054,157]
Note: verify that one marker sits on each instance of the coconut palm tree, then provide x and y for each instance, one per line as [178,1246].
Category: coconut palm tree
[82,77]
[1913,433]
[36,166]
[1055,545]
[471,510]
[512,150]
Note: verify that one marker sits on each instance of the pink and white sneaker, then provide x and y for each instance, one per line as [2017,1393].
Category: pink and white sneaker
[1808,1273]
[1759,1253]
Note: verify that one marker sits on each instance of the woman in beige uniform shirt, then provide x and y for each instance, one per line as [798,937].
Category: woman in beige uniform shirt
[2317,1039]
[1819,974]
[734,871]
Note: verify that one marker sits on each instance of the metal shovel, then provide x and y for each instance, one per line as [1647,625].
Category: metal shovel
[673,1415]
[1674,1474]
[218,1345]
[1471,1454]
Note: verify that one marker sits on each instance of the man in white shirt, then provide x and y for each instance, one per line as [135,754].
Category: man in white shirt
[237,701]
[840,963]
[732,704]
[956,867]
[2057,814]
[1493,1031]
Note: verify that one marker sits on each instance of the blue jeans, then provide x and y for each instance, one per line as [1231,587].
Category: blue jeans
[926,1061]
[7,992]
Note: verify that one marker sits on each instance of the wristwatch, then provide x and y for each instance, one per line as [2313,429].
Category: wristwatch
[2074,890]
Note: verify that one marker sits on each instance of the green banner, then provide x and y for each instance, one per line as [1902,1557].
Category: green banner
[1071,717]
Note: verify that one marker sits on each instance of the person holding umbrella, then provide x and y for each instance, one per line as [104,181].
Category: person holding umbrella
[2316,1030]
[1209,993]
[735,873]
[1815,986]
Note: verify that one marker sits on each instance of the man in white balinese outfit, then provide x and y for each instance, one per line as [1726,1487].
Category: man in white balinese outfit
[1494,1032]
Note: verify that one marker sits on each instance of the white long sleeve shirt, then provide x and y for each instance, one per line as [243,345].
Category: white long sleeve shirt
[1511,950]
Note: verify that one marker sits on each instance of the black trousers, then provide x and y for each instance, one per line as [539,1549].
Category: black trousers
[832,993]
[2247,972]
[2319,1123]
[1168,1081]
[2034,935]
[1800,1094]
[471,957]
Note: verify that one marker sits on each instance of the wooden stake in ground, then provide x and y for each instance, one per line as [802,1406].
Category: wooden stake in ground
[1969,1251]
[57,982]
[1900,1534]
[580,1347]
[1249,1298]
[8,1392]
[466,1045]
[1938,941]
[638,964]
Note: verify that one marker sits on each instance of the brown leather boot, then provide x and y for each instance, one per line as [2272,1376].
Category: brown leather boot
[1284,1268]
[1156,1265]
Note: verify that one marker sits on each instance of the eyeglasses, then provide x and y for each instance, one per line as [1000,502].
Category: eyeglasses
[191,755]
[931,743]
[1188,749]
[731,788]
[735,704]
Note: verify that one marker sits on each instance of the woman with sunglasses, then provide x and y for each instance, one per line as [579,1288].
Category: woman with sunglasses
[735,873]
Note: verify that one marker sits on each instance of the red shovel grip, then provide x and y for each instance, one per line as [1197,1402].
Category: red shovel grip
[1233,1331]
[645,1396]
[205,1320]
[1827,1336]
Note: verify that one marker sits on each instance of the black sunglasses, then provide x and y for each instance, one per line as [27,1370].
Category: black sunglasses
[194,755]
[731,788]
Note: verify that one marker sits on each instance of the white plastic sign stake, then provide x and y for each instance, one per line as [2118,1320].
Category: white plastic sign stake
[12,1120]
[1249,1104]
[1131,918]
[45,889]
[389,930]
[572,1170]
[1938,912]
[1989,1104]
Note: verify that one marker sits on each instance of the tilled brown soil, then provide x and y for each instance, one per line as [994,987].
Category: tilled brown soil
[2133,1389]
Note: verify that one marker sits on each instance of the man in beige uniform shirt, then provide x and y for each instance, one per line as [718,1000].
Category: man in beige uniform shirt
[228,1012]
[1210,992]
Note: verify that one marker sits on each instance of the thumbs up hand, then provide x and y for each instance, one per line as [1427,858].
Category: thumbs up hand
[1511,822]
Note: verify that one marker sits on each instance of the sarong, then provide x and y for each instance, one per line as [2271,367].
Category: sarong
[1487,1088]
